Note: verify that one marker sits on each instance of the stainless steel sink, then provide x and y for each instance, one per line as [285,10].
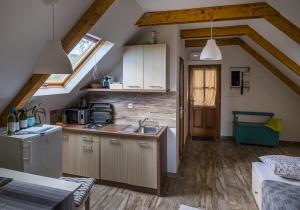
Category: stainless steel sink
[144,129]
[149,129]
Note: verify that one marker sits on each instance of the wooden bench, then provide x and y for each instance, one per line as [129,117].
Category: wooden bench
[254,132]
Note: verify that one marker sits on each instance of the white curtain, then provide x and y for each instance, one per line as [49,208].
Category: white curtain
[204,87]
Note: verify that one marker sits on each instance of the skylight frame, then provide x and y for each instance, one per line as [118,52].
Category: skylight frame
[87,54]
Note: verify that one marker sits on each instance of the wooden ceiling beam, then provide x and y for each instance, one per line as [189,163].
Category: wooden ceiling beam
[78,31]
[237,41]
[222,13]
[243,30]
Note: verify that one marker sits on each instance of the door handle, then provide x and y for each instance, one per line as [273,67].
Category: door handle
[88,148]
[114,141]
[133,86]
[181,112]
[88,140]
[143,144]
[155,86]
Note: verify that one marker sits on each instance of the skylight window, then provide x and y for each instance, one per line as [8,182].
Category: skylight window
[78,55]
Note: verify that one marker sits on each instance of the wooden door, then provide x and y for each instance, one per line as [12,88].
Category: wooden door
[87,156]
[133,64]
[181,107]
[142,163]
[69,153]
[113,159]
[155,66]
[204,100]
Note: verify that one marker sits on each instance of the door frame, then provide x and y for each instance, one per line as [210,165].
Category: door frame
[218,67]
[181,106]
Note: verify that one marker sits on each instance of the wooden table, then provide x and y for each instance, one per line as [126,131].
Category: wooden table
[39,180]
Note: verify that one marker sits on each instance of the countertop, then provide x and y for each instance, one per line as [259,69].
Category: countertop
[112,129]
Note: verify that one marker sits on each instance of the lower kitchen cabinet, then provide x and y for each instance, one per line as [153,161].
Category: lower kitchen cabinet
[87,156]
[113,159]
[142,163]
[134,162]
[69,153]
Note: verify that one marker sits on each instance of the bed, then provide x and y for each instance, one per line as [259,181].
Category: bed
[265,184]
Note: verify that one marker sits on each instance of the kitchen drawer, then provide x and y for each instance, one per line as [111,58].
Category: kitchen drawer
[88,139]
[256,189]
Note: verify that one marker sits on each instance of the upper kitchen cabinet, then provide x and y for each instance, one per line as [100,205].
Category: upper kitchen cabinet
[155,67]
[145,67]
[133,64]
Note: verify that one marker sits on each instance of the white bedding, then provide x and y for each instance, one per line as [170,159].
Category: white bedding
[264,173]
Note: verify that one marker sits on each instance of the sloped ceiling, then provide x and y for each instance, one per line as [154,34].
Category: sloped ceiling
[288,8]
[25,28]
[26,25]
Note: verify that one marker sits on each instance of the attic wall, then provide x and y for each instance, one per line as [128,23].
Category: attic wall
[267,93]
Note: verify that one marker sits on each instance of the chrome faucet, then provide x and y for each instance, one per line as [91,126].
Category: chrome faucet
[141,122]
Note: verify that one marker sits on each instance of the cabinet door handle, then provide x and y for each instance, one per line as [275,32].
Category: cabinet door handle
[114,141]
[143,144]
[88,140]
[155,86]
[88,148]
[28,148]
[133,86]
[84,138]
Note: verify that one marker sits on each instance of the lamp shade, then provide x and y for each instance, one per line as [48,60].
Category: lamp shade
[211,51]
[53,60]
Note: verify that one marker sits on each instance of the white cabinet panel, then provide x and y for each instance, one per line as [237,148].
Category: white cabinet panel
[155,68]
[142,163]
[87,156]
[113,159]
[133,75]
[69,153]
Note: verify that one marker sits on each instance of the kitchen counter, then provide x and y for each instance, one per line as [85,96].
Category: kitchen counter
[112,129]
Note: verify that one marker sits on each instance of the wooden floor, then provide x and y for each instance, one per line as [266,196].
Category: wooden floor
[213,175]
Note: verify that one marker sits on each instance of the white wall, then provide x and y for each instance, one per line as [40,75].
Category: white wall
[267,93]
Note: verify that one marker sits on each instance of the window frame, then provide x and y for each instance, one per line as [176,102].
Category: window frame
[99,42]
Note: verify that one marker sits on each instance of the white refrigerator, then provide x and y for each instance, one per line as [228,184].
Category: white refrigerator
[37,151]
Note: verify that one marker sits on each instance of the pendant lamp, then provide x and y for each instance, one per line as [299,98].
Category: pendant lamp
[53,59]
[211,51]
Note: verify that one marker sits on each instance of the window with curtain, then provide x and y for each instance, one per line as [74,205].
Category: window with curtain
[204,87]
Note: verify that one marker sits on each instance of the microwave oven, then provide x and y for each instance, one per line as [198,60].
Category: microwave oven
[77,116]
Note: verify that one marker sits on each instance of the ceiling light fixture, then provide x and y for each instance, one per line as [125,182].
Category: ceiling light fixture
[211,51]
[53,59]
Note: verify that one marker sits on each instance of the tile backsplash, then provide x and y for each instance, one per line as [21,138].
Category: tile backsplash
[160,108]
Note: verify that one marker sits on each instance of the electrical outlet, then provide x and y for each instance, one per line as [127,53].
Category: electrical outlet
[130,106]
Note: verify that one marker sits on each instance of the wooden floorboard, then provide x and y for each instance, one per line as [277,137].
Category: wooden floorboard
[213,175]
